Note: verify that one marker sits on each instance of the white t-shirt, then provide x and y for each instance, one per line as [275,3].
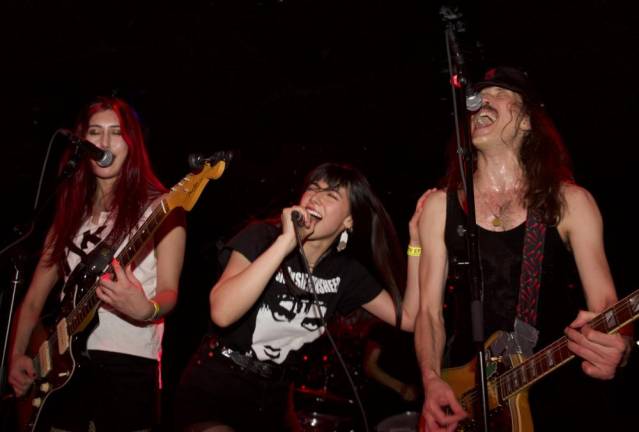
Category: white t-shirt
[115,332]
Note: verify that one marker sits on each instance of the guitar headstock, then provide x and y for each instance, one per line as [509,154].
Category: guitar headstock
[188,190]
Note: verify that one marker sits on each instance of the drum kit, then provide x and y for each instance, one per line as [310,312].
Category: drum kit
[322,411]
[324,400]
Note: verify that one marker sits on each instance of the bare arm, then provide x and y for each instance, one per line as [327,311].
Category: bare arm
[372,369]
[582,227]
[382,306]
[21,371]
[430,336]
[170,258]
[242,281]
[125,292]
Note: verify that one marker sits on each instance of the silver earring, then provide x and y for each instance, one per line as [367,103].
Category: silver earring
[343,240]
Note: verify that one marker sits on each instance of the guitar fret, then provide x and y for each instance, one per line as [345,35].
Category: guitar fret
[544,361]
[78,306]
[634,303]
[610,319]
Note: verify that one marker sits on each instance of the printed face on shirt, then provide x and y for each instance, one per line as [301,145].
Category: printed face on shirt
[286,324]
[104,131]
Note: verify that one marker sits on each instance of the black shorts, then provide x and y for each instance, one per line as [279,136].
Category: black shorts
[117,392]
[215,390]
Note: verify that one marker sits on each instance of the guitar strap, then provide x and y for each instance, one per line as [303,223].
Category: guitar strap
[91,264]
[524,336]
[531,268]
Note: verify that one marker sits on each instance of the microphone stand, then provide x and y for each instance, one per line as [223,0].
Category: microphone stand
[15,251]
[463,96]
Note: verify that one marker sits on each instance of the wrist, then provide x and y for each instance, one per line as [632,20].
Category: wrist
[154,313]
[414,251]
[286,243]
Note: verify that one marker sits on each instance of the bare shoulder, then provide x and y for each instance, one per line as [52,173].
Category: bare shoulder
[577,198]
[436,201]
[581,213]
[434,212]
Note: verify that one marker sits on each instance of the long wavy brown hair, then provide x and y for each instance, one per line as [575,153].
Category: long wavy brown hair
[135,187]
[544,159]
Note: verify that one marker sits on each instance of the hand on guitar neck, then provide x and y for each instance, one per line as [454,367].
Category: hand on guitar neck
[124,292]
[601,353]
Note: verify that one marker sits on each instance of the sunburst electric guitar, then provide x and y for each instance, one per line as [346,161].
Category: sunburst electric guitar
[56,357]
[509,374]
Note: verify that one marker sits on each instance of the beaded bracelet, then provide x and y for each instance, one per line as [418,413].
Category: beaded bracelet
[414,251]
[156,311]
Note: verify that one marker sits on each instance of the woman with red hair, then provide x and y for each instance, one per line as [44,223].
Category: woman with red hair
[124,349]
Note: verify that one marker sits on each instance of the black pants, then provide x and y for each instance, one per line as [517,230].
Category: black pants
[117,392]
[215,390]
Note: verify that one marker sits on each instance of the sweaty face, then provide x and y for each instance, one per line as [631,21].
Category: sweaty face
[500,118]
[329,209]
[104,132]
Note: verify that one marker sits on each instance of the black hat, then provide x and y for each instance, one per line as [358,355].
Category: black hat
[512,79]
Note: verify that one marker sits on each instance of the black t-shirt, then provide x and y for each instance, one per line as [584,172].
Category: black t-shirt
[284,318]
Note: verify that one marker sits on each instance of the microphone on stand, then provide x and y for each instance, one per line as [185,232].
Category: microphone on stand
[102,158]
[473,98]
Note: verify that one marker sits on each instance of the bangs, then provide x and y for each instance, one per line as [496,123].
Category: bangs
[334,175]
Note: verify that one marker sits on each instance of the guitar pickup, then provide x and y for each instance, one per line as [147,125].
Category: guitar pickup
[44,359]
[63,336]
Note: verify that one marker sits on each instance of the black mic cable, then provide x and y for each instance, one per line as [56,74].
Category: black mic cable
[298,222]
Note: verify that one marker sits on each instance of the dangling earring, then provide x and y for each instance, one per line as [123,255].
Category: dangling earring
[343,240]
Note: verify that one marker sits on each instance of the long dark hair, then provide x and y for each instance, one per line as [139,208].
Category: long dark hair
[373,240]
[135,186]
[544,159]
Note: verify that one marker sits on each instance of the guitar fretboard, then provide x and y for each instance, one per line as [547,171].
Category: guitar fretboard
[90,300]
[556,354]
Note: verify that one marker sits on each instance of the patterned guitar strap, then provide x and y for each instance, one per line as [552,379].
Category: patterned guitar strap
[529,284]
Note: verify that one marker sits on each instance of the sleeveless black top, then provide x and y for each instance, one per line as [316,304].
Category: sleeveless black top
[560,296]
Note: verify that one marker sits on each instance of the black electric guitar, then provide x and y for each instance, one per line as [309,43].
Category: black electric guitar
[509,374]
[56,357]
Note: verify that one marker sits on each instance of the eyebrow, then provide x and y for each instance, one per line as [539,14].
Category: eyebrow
[102,127]
[329,188]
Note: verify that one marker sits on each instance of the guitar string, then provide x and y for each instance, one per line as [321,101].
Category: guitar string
[89,296]
[539,358]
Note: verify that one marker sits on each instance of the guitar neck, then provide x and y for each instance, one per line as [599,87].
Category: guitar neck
[557,354]
[90,301]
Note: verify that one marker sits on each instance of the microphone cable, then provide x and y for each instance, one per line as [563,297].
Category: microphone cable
[311,283]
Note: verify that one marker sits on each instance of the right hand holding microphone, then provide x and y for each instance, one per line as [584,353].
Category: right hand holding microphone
[293,218]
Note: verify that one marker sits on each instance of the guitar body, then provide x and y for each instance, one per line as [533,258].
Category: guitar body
[509,415]
[55,360]
[509,375]
[57,351]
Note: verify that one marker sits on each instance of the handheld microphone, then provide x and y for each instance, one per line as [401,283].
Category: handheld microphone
[298,219]
[102,158]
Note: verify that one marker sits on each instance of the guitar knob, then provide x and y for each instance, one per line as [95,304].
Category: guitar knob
[45,387]
[36,402]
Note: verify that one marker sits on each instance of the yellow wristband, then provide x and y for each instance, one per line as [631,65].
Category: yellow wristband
[156,311]
[414,251]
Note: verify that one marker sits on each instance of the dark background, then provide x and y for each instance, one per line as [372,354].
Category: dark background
[289,84]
